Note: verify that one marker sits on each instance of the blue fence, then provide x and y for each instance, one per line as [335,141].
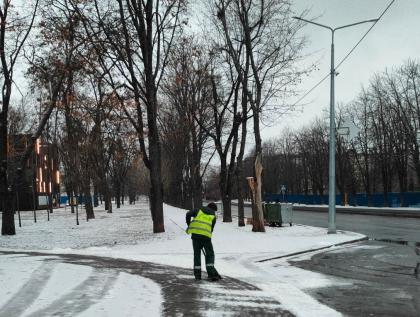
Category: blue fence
[409,199]
[81,199]
[63,200]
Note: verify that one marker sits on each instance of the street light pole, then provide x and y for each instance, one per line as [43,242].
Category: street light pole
[331,148]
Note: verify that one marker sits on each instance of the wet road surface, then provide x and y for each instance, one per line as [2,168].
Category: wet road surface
[374,279]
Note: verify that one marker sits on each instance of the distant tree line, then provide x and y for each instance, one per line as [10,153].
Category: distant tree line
[382,156]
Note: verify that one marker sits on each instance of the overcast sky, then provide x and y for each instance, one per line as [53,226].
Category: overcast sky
[393,40]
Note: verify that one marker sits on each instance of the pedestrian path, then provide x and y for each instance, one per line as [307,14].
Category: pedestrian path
[181,295]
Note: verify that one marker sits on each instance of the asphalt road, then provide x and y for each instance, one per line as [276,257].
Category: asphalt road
[372,279]
[375,277]
[375,227]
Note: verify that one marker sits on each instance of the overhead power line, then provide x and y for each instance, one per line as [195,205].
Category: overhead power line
[371,27]
[345,57]
[310,90]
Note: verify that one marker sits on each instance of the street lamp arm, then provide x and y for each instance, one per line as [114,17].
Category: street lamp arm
[357,23]
[311,22]
[337,28]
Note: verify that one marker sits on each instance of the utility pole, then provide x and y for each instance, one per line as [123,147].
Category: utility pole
[331,147]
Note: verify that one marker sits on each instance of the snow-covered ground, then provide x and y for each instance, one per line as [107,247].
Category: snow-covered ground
[127,234]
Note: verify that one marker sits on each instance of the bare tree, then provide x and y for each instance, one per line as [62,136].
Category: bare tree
[400,129]
[133,40]
[271,47]
[282,166]
[362,144]
[313,146]
[124,151]
[15,27]
[186,116]
[380,129]
[410,81]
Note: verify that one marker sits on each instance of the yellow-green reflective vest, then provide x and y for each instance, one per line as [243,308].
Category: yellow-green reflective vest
[201,224]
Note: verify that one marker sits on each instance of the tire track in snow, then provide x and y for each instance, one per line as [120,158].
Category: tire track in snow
[182,296]
[29,292]
[80,298]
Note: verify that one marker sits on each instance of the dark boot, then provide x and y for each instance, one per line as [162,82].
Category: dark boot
[197,274]
[213,278]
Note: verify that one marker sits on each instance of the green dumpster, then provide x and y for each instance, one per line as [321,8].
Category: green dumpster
[273,214]
[287,213]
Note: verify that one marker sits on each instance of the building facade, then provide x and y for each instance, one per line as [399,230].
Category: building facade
[40,186]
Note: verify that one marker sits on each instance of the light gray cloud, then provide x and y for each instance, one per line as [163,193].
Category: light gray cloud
[393,40]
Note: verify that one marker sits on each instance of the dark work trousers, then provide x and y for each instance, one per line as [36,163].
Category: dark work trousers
[205,244]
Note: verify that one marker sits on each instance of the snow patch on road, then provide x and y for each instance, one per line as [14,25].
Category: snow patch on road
[131,296]
[15,271]
[356,248]
[63,278]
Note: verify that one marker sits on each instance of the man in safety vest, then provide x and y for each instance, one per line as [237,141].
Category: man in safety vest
[201,229]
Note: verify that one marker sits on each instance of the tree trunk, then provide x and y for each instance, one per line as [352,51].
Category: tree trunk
[223,187]
[232,167]
[107,196]
[197,188]
[6,202]
[95,196]
[88,202]
[117,191]
[8,218]
[108,203]
[155,156]
[239,160]
[69,199]
[227,208]
[196,181]
[122,193]
[156,197]
[239,177]
[258,220]
[353,189]
[385,184]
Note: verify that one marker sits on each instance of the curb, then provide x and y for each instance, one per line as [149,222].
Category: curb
[360,211]
[370,211]
[314,250]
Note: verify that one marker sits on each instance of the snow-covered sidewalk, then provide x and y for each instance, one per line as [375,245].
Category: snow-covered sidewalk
[127,234]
